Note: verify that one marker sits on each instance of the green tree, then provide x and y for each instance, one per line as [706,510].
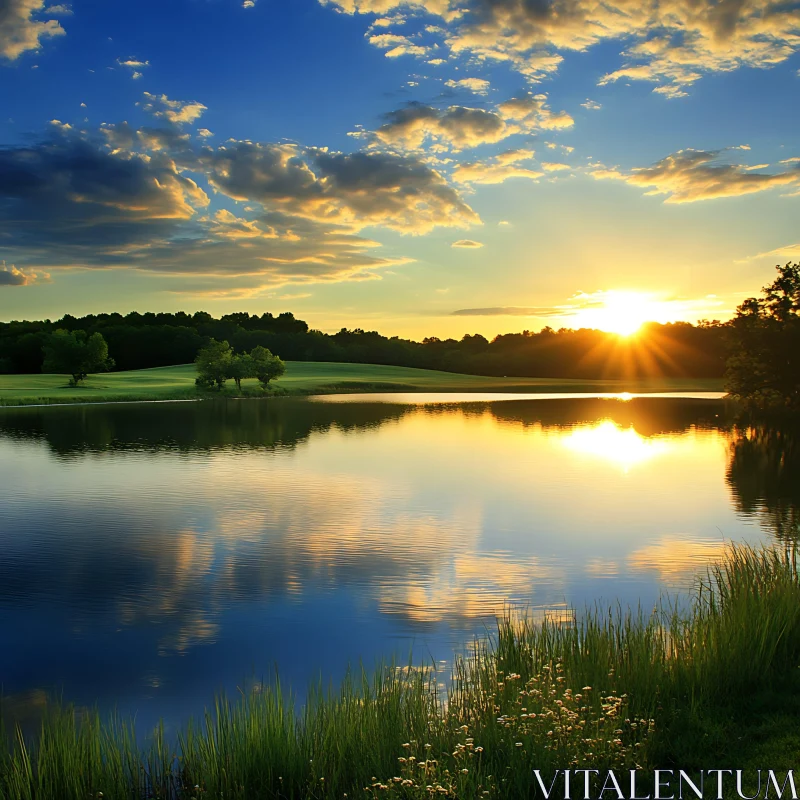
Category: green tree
[241,366]
[213,364]
[76,354]
[266,367]
[764,367]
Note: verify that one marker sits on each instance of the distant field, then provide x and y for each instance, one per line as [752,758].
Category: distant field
[177,383]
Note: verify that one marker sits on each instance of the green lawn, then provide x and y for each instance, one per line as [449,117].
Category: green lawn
[177,383]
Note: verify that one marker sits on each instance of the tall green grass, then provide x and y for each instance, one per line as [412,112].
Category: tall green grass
[615,689]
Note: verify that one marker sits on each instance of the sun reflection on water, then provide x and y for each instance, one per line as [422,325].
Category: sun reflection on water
[622,446]
[311,534]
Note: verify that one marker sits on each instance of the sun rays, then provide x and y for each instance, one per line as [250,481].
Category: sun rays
[625,312]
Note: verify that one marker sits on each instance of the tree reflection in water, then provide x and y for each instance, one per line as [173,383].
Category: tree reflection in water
[764,475]
[180,543]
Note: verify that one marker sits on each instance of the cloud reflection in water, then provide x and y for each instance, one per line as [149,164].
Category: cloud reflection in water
[188,544]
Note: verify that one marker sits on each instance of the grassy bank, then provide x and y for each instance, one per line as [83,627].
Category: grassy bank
[177,383]
[714,687]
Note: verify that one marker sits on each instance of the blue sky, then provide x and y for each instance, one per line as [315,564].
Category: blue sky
[385,164]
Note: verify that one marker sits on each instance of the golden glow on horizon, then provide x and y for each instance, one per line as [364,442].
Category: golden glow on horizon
[622,446]
[625,312]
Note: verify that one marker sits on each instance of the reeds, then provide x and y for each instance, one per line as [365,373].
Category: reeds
[606,691]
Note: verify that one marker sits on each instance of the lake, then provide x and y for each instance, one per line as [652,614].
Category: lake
[153,554]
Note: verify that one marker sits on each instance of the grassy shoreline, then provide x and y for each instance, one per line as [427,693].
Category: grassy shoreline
[716,686]
[307,378]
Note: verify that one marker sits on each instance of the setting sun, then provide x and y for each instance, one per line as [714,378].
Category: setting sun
[624,312]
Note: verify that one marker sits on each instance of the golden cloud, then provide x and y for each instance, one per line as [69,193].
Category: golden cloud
[497,170]
[177,112]
[475,85]
[461,127]
[691,175]
[11,276]
[671,42]
[20,32]
[123,198]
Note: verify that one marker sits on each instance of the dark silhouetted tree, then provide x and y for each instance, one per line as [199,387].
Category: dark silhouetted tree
[764,368]
[142,340]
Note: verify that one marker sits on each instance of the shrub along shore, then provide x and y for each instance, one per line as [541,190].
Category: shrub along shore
[713,686]
[305,378]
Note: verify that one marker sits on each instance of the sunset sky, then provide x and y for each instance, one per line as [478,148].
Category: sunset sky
[420,168]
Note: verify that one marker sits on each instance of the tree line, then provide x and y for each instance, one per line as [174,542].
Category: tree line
[758,351]
[139,341]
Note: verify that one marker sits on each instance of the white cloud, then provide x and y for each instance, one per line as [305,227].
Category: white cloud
[591,105]
[135,65]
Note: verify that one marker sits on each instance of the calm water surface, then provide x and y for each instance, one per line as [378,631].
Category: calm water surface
[153,554]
